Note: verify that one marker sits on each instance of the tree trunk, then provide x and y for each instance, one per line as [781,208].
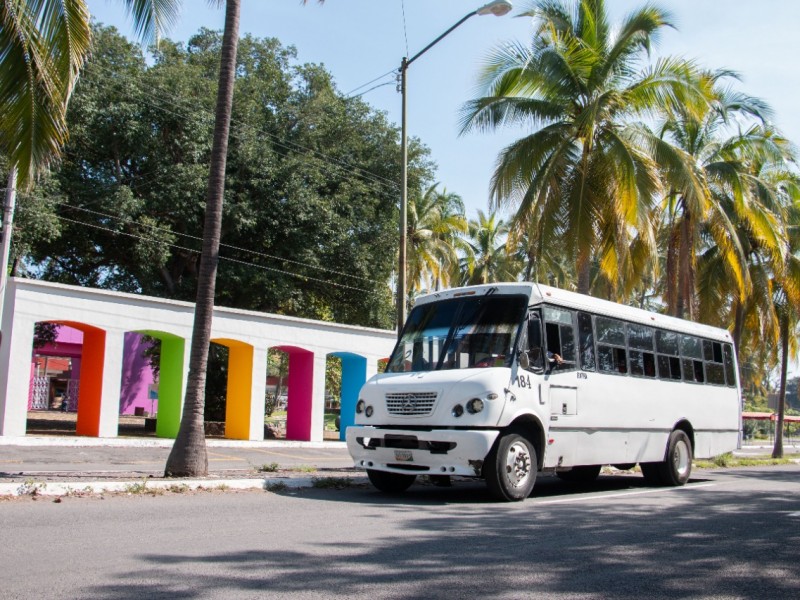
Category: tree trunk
[777,450]
[583,266]
[188,456]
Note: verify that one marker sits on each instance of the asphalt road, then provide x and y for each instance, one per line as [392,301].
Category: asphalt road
[727,534]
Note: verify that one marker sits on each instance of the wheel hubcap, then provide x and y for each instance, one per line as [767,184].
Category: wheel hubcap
[680,458]
[518,464]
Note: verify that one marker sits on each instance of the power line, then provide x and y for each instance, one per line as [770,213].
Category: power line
[378,78]
[226,258]
[222,245]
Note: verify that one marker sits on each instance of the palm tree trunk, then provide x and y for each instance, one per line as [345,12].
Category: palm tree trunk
[584,271]
[738,323]
[777,450]
[188,456]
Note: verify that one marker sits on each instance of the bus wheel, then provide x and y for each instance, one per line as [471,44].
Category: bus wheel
[510,469]
[677,466]
[391,483]
[583,474]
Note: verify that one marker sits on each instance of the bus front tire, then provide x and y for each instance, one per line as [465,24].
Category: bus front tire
[390,483]
[676,467]
[510,469]
[582,474]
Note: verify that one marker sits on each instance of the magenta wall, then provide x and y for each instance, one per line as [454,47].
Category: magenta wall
[136,372]
[136,377]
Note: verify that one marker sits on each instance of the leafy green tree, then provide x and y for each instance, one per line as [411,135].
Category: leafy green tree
[583,180]
[297,207]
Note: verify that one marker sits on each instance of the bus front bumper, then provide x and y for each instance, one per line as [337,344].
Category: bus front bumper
[435,452]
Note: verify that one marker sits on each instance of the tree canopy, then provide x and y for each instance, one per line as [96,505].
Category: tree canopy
[310,217]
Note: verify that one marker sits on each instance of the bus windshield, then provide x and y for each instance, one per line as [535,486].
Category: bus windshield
[459,333]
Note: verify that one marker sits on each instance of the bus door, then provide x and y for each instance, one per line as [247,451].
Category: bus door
[561,364]
[551,354]
[560,383]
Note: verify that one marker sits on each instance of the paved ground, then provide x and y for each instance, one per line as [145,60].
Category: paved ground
[728,534]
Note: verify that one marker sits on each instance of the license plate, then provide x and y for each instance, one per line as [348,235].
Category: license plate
[403,455]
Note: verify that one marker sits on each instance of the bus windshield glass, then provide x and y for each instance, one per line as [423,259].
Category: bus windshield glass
[459,333]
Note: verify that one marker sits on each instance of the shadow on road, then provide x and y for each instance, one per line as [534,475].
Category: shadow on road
[702,543]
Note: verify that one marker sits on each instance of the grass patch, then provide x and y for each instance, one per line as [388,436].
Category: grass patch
[141,488]
[338,483]
[728,460]
[275,486]
[269,468]
[31,488]
[179,488]
[303,469]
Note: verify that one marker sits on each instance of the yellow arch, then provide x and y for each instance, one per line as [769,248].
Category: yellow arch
[240,388]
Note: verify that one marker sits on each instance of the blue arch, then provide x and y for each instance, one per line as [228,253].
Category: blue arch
[354,374]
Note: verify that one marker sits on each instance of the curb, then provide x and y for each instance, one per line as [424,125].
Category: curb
[143,486]
[117,442]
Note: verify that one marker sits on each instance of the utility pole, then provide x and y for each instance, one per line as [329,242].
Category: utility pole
[8,222]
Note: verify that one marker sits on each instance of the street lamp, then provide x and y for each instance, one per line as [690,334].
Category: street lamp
[497,8]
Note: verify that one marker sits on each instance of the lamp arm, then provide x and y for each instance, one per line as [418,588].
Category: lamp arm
[407,62]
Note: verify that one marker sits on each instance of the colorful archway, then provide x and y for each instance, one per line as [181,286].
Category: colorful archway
[301,388]
[90,392]
[170,382]
[354,374]
[239,393]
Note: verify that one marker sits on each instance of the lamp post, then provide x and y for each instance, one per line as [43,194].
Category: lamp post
[497,8]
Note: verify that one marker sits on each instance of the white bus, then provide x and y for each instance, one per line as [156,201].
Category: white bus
[502,381]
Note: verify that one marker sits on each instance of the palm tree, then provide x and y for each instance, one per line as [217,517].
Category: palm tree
[580,182]
[435,222]
[487,259]
[189,457]
[43,46]
[712,191]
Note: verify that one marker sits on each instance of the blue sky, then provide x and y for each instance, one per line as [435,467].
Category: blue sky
[360,40]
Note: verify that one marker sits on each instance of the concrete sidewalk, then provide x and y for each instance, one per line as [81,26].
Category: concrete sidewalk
[63,465]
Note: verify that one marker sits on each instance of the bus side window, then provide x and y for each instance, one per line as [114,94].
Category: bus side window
[669,362]
[642,357]
[586,339]
[730,372]
[692,358]
[715,370]
[611,347]
[560,336]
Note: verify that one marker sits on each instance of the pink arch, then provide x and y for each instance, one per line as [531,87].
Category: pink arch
[301,385]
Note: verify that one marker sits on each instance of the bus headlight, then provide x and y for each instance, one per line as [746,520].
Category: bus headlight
[360,406]
[458,410]
[368,411]
[474,406]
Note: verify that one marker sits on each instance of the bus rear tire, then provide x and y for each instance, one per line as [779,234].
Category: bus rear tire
[676,467]
[390,483]
[510,469]
[582,474]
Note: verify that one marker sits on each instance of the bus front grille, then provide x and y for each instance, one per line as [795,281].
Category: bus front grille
[410,403]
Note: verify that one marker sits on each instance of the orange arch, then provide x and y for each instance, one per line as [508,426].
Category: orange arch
[91,388]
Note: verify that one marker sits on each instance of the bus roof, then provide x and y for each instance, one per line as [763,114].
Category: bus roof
[538,293]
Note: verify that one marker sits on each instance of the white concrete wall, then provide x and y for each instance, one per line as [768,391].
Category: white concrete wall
[28,302]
